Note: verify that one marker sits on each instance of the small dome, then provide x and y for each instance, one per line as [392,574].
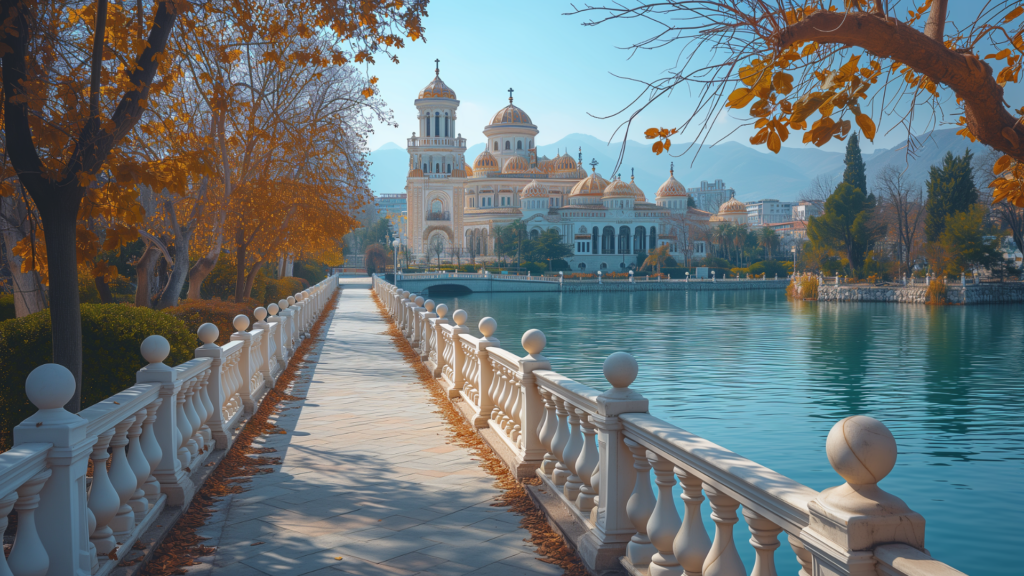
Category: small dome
[469,171]
[563,163]
[511,115]
[458,173]
[415,173]
[592,185]
[437,88]
[515,164]
[733,206]
[618,189]
[485,162]
[533,190]
[638,194]
[671,187]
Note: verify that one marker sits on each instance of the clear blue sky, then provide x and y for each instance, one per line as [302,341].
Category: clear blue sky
[562,73]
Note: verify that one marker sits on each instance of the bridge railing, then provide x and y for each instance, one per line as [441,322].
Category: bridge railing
[85,486]
[595,452]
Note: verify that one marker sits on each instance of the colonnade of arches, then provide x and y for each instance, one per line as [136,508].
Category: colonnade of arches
[608,240]
[437,125]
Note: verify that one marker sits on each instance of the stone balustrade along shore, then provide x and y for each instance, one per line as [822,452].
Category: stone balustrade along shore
[156,435]
[594,452]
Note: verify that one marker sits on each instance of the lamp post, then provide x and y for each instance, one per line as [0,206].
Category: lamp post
[687,276]
[598,276]
[630,276]
[713,275]
[793,250]
[396,244]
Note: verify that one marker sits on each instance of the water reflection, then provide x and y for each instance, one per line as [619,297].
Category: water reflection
[767,378]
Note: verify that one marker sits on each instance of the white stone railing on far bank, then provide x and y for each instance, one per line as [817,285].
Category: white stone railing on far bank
[143,443]
[595,451]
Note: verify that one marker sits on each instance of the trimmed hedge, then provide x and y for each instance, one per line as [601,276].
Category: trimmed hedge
[195,313]
[111,335]
[221,282]
[7,307]
[283,288]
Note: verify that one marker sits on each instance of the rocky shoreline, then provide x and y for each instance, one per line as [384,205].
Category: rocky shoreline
[1004,293]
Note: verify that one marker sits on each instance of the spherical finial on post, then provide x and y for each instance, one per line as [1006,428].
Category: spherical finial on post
[260,314]
[429,305]
[620,369]
[460,316]
[50,386]
[405,293]
[419,300]
[241,322]
[861,450]
[155,349]
[273,309]
[208,333]
[442,309]
[488,326]
[291,300]
[283,303]
[534,342]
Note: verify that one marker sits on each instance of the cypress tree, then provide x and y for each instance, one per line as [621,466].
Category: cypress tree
[950,190]
[855,175]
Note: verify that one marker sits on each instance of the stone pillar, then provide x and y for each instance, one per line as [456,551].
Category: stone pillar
[533,410]
[222,436]
[487,328]
[601,547]
[61,518]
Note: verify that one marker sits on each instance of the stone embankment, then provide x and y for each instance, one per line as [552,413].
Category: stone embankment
[955,294]
[675,285]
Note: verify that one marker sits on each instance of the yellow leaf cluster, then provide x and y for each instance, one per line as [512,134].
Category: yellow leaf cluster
[1009,183]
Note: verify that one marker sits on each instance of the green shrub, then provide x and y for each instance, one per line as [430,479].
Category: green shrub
[7,307]
[221,282]
[311,272]
[195,313]
[283,288]
[111,335]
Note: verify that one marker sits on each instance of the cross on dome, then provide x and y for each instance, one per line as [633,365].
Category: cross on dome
[593,164]
[510,95]
[437,66]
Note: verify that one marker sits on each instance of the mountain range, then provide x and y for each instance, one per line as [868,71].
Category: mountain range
[753,173]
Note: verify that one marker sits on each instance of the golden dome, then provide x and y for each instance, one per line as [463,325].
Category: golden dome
[469,171]
[458,173]
[486,163]
[515,164]
[618,189]
[638,194]
[511,115]
[533,190]
[592,185]
[437,88]
[415,173]
[733,206]
[563,163]
[671,187]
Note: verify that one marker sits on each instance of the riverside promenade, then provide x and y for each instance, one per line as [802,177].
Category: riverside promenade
[368,483]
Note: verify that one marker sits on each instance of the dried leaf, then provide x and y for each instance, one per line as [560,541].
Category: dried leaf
[998,168]
[867,125]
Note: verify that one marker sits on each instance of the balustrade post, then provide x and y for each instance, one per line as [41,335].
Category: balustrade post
[601,547]
[416,332]
[764,537]
[277,329]
[639,508]
[241,322]
[571,454]
[61,516]
[723,559]
[586,464]
[29,555]
[123,478]
[267,346]
[531,407]
[103,499]
[287,342]
[692,543]
[174,482]
[458,355]
[558,442]
[848,521]
[151,448]
[424,349]
[664,523]
[216,385]
[437,352]
[486,404]
[547,432]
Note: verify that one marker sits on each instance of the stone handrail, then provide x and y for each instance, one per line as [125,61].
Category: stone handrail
[155,434]
[595,451]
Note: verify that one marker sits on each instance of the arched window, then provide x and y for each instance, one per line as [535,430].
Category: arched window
[519,145]
[437,123]
[495,145]
[437,168]
[534,234]
[449,168]
[654,238]
[531,143]
[428,124]
[445,124]
[425,167]
[508,145]
[596,240]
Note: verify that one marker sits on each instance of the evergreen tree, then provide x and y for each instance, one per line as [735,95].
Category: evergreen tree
[854,175]
[845,225]
[950,190]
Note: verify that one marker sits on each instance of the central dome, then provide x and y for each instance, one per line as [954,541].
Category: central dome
[733,206]
[511,115]
[437,89]
[515,164]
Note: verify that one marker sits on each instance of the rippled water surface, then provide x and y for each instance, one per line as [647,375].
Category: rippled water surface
[767,378]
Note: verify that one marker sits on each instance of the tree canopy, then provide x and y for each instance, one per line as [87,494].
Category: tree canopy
[845,224]
[951,190]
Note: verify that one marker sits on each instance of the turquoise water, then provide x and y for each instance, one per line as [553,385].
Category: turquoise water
[767,378]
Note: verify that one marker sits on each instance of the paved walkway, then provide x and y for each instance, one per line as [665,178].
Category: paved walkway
[367,484]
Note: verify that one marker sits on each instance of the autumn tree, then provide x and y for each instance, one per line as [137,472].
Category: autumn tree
[902,204]
[819,66]
[79,76]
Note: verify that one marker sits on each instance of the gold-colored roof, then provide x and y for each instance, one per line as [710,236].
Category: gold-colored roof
[415,173]
[469,171]
[638,194]
[511,115]
[437,89]
[733,206]
[485,162]
[592,185]
[533,190]
[563,163]
[618,189]
[515,164]
[671,187]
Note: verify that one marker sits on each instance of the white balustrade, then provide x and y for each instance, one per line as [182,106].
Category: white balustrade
[595,452]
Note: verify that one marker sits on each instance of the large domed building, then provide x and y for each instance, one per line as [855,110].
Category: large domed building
[459,201]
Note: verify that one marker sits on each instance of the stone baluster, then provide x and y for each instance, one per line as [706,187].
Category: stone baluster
[61,516]
[530,409]
[200,409]
[140,465]
[571,453]
[692,543]
[278,343]
[266,344]
[293,323]
[403,310]
[457,355]
[195,441]
[764,537]
[803,555]
[241,322]
[217,384]
[437,352]
[501,397]
[587,463]
[723,559]
[151,448]
[416,331]
[174,482]
[287,346]
[428,306]
[547,432]
[103,499]
[6,505]
[204,397]
[184,426]
[29,556]
[123,478]
[847,522]
[515,400]
[559,442]
[639,508]
[664,523]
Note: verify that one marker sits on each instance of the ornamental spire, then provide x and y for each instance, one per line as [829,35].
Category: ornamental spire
[671,168]
[437,67]
[510,96]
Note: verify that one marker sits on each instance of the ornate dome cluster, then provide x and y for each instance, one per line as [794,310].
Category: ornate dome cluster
[514,165]
[618,189]
[485,162]
[533,190]
[437,89]
[563,163]
[671,187]
[733,206]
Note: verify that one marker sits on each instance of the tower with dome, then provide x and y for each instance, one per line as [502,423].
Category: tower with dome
[608,222]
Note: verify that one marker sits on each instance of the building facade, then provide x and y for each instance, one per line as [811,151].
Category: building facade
[769,211]
[709,196]
[804,209]
[454,206]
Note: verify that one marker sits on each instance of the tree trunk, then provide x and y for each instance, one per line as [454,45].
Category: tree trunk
[172,291]
[65,311]
[289,266]
[104,290]
[144,275]
[204,266]
[240,247]
[29,296]
[250,278]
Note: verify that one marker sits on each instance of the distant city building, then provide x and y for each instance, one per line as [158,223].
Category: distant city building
[769,211]
[710,196]
[804,209]
[388,204]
